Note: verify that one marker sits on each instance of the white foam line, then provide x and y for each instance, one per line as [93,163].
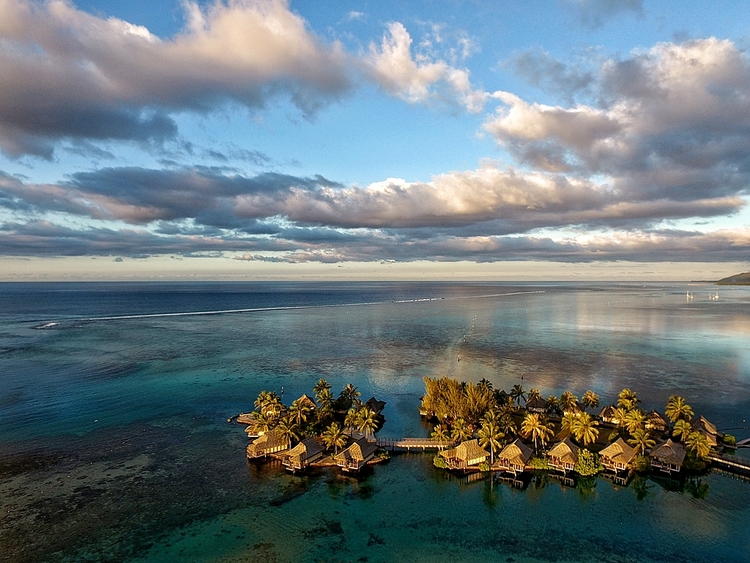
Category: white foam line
[285,308]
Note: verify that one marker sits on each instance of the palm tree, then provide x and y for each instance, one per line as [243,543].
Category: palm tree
[584,429]
[697,442]
[517,393]
[349,392]
[351,421]
[552,404]
[568,401]
[324,398]
[460,430]
[635,419]
[440,432]
[621,418]
[567,422]
[641,441]
[590,399]
[334,437]
[368,421]
[506,424]
[261,422]
[269,403]
[681,429]
[288,429]
[678,409]
[535,428]
[627,399]
[321,386]
[485,384]
[299,411]
[533,393]
[489,435]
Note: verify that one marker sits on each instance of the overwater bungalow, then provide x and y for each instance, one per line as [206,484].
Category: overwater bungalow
[656,422]
[575,409]
[514,457]
[703,426]
[536,404]
[303,454]
[374,405]
[467,454]
[270,443]
[668,457]
[563,456]
[618,456]
[356,456]
[609,414]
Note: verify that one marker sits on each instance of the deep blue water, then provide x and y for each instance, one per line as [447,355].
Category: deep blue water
[114,444]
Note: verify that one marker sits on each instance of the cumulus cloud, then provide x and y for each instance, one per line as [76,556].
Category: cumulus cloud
[672,124]
[67,73]
[421,78]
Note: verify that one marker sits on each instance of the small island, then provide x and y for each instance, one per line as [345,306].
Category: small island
[480,430]
[738,279]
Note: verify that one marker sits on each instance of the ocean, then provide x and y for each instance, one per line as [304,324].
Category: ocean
[115,445]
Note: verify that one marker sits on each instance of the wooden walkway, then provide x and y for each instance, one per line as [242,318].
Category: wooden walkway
[731,463]
[744,443]
[414,443]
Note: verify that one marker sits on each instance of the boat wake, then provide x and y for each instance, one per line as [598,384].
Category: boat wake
[61,324]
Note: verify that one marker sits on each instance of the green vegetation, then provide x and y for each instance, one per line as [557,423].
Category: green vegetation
[588,463]
[641,464]
[729,440]
[439,462]
[540,463]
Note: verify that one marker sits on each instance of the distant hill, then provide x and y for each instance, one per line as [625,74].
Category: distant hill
[739,279]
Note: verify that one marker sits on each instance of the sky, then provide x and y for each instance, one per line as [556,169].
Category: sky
[441,139]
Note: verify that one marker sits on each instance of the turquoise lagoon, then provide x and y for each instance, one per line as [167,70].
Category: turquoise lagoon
[115,446]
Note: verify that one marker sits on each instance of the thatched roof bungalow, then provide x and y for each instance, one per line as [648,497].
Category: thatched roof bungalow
[356,456]
[609,414]
[303,454]
[668,457]
[536,404]
[575,409]
[374,405]
[563,456]
[271,442]
[514,457]
[618,456]
[655,421]
[703,426]
[465,455]
[306,401]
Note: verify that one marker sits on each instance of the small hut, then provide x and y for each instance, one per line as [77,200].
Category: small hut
[514,457]
[655,421]
[609,414]
[563,456]
[356,456]
[536,404]
[374,405]
[466,454]
[703,426]
[270,443]
[574,409]
[668,457]
[306,401]
[618,456]
[303,454]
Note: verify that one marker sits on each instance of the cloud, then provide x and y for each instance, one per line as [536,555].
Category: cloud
[69,74]
[542,70]
[421,78]
[672,124]
[594,13]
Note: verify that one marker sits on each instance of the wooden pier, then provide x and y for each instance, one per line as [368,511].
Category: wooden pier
[414,443]
[730,463]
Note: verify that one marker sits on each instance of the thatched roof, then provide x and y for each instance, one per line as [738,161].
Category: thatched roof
[669,452]
[375,405]
[535,402]
[306,448]
[619,452]
[358,451]
[566,451]
[516,452]
[307,401]
[656,420]
[466,451]
[701,424]
[610,411]
[271,440]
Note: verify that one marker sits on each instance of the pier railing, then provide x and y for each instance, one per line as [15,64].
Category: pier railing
[415,443]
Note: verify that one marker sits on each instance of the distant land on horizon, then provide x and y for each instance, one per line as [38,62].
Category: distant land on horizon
[738,279]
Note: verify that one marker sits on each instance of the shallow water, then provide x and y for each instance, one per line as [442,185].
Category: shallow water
[114,444]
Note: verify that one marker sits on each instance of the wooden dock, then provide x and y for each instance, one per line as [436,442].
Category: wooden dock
[730,463]
[414,443]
